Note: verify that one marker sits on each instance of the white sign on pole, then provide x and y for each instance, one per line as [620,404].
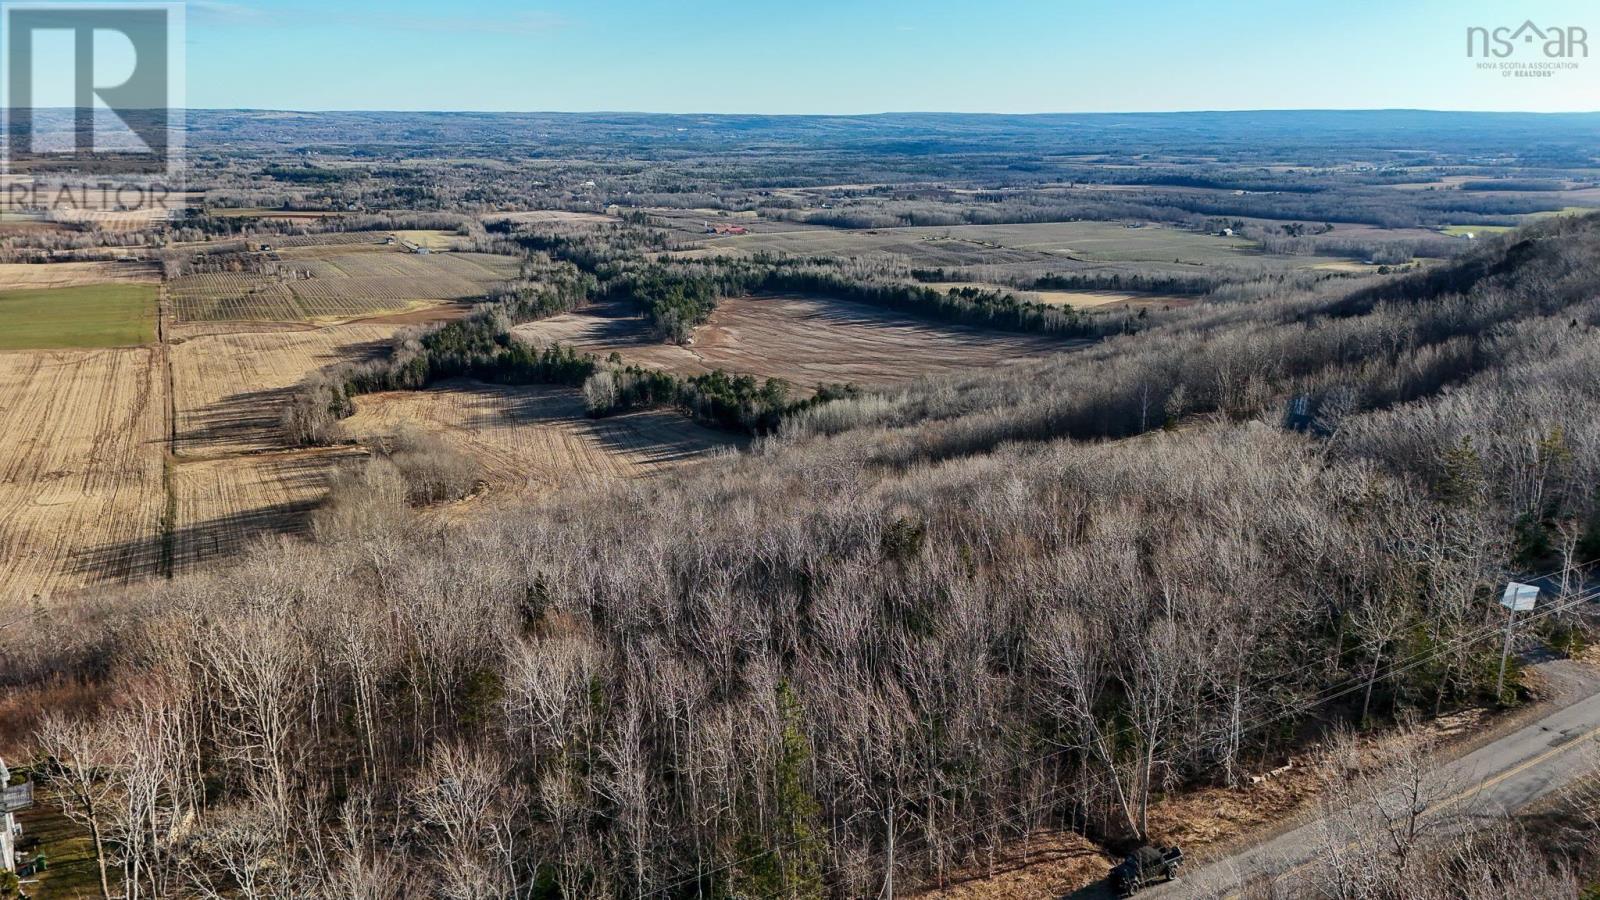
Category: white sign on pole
[1520,597]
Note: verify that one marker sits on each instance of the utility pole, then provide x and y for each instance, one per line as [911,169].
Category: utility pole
[1518,598]
[1505,651]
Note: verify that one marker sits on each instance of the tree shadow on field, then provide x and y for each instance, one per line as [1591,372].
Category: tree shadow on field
[250,418]
[619,323]
[228,536]
[192,545]
[303,478]
[647,437]
[599,327]
[660,437]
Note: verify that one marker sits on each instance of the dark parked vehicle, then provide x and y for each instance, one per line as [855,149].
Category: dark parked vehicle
[1145,867]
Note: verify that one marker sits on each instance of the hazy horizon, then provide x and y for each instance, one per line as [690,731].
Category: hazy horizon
[880,113]
[835,58]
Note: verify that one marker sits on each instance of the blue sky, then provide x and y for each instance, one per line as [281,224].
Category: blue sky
[834,56]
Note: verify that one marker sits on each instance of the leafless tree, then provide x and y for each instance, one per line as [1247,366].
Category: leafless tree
[78,754]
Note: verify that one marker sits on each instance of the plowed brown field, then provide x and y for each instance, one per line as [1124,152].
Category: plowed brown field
[81,485]
[803,340]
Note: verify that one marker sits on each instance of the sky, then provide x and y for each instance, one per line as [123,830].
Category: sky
[866,56]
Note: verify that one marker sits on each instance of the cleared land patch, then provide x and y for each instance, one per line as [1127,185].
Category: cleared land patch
[81,481]
[433,240]
[538,439]
[803,340]
[121,314]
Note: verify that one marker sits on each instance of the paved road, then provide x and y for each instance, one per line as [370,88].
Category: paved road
[1499,778]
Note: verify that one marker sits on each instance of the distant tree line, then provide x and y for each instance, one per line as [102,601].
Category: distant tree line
[1134,282]
[307,174]
[1514,184]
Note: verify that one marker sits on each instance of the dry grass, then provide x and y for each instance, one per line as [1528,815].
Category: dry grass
[1050,865]
[83,493]
[81,484]
[537,439]
[115,220]
[1214,816]
[803,340]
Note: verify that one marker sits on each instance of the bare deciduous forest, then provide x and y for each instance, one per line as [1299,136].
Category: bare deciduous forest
[896,628]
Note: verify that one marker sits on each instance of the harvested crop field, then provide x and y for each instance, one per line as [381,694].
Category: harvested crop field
[81,482]
[339,282]
[28,276]
[538,439]
[230,387]
[803,340]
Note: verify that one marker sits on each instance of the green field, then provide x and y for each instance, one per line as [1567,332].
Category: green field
[1459,230]
[1480,230]
[1566,211]
[96,315]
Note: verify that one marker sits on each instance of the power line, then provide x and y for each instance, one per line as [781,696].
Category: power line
[1259,721]
[1251,725]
